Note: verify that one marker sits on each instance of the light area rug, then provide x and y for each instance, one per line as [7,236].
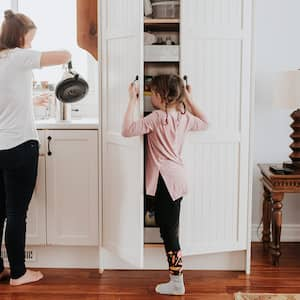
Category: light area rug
[252,296]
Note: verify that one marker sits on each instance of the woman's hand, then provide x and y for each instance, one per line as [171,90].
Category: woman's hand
[43,99]
[133,91]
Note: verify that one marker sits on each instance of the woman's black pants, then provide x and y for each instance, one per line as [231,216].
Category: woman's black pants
[18,172]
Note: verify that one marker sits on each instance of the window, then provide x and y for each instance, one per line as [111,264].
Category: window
[4,5]
[56,23]
[56,29]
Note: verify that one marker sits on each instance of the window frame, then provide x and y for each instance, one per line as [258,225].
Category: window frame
[14,4]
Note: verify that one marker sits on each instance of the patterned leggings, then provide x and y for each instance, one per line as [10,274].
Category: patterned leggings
[167,212]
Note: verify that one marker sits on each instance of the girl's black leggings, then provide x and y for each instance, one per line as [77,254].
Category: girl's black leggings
[167,212]
[18,172]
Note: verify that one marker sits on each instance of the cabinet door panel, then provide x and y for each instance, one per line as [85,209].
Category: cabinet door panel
[42,150]
[72,188]
[121,61]
[212,16]
[36,216]
[216,58]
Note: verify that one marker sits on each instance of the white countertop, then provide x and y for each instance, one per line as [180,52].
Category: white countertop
[84,123]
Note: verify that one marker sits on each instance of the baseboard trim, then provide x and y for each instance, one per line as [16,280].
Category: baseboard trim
[289,233]
[61,257]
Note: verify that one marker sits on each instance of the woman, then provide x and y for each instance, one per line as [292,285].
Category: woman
[19,147]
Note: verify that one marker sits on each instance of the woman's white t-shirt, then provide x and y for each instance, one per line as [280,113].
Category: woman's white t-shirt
[16,106]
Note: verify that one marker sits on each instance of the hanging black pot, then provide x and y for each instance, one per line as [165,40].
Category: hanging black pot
[72,87]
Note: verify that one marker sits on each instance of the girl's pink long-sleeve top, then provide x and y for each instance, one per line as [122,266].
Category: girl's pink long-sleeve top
[164,146]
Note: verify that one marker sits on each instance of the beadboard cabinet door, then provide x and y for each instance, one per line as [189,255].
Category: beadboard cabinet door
[216,57]
[121,61]
[72,187]
[36,216]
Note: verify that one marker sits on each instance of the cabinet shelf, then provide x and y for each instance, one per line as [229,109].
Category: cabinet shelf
[149,21]
[152,245]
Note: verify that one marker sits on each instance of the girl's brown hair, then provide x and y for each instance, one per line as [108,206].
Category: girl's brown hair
[13,30]
[171,90]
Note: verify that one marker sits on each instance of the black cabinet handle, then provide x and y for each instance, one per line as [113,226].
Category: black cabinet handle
[49,140]
[185,78]
[136,79]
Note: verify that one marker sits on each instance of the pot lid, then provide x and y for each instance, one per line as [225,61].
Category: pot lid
[71,90]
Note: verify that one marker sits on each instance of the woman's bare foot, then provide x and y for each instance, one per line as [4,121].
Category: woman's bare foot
[5,274]
[28,277]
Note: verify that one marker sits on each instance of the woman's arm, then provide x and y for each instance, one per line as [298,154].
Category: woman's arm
[52,58]
[43,99]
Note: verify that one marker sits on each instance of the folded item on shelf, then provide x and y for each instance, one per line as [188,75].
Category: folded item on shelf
[149,38]
[147,8]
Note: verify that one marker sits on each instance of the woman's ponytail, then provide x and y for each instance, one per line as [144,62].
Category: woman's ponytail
[13,30]
[8,14]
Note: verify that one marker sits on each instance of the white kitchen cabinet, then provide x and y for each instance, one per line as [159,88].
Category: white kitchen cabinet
[72,187]
[64,207]
[36,216]
[215,54]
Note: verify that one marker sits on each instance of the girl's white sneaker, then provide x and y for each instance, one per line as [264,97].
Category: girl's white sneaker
[174,287]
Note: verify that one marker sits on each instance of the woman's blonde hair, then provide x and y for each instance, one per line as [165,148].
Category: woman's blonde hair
[170,87]
[13,30]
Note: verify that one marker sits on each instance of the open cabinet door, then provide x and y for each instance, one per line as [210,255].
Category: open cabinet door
[122,158]
[216,57]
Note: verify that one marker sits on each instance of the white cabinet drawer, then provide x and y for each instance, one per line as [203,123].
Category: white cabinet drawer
[161,53]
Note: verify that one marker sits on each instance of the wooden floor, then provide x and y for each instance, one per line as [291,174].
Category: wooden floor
[62,284]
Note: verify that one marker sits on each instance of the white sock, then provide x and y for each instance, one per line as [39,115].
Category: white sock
[174,287]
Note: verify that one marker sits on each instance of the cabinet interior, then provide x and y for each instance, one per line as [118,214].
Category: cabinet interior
[160,57]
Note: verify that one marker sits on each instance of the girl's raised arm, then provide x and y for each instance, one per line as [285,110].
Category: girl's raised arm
[194,109]
[141,126]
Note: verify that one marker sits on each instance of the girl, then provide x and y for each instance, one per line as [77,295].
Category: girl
[19,148]
[166,129]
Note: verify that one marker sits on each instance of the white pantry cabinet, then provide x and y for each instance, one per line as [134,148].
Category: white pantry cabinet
[64,208]
[215,54]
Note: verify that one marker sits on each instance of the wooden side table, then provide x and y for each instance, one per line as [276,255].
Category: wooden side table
[274,188]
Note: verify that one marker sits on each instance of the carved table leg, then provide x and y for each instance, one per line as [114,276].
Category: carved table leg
[276,227]
[267,209]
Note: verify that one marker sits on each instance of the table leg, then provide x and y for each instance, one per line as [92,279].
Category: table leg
[267,209]
[276,227]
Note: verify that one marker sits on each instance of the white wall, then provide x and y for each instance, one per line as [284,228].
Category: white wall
[277,48]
